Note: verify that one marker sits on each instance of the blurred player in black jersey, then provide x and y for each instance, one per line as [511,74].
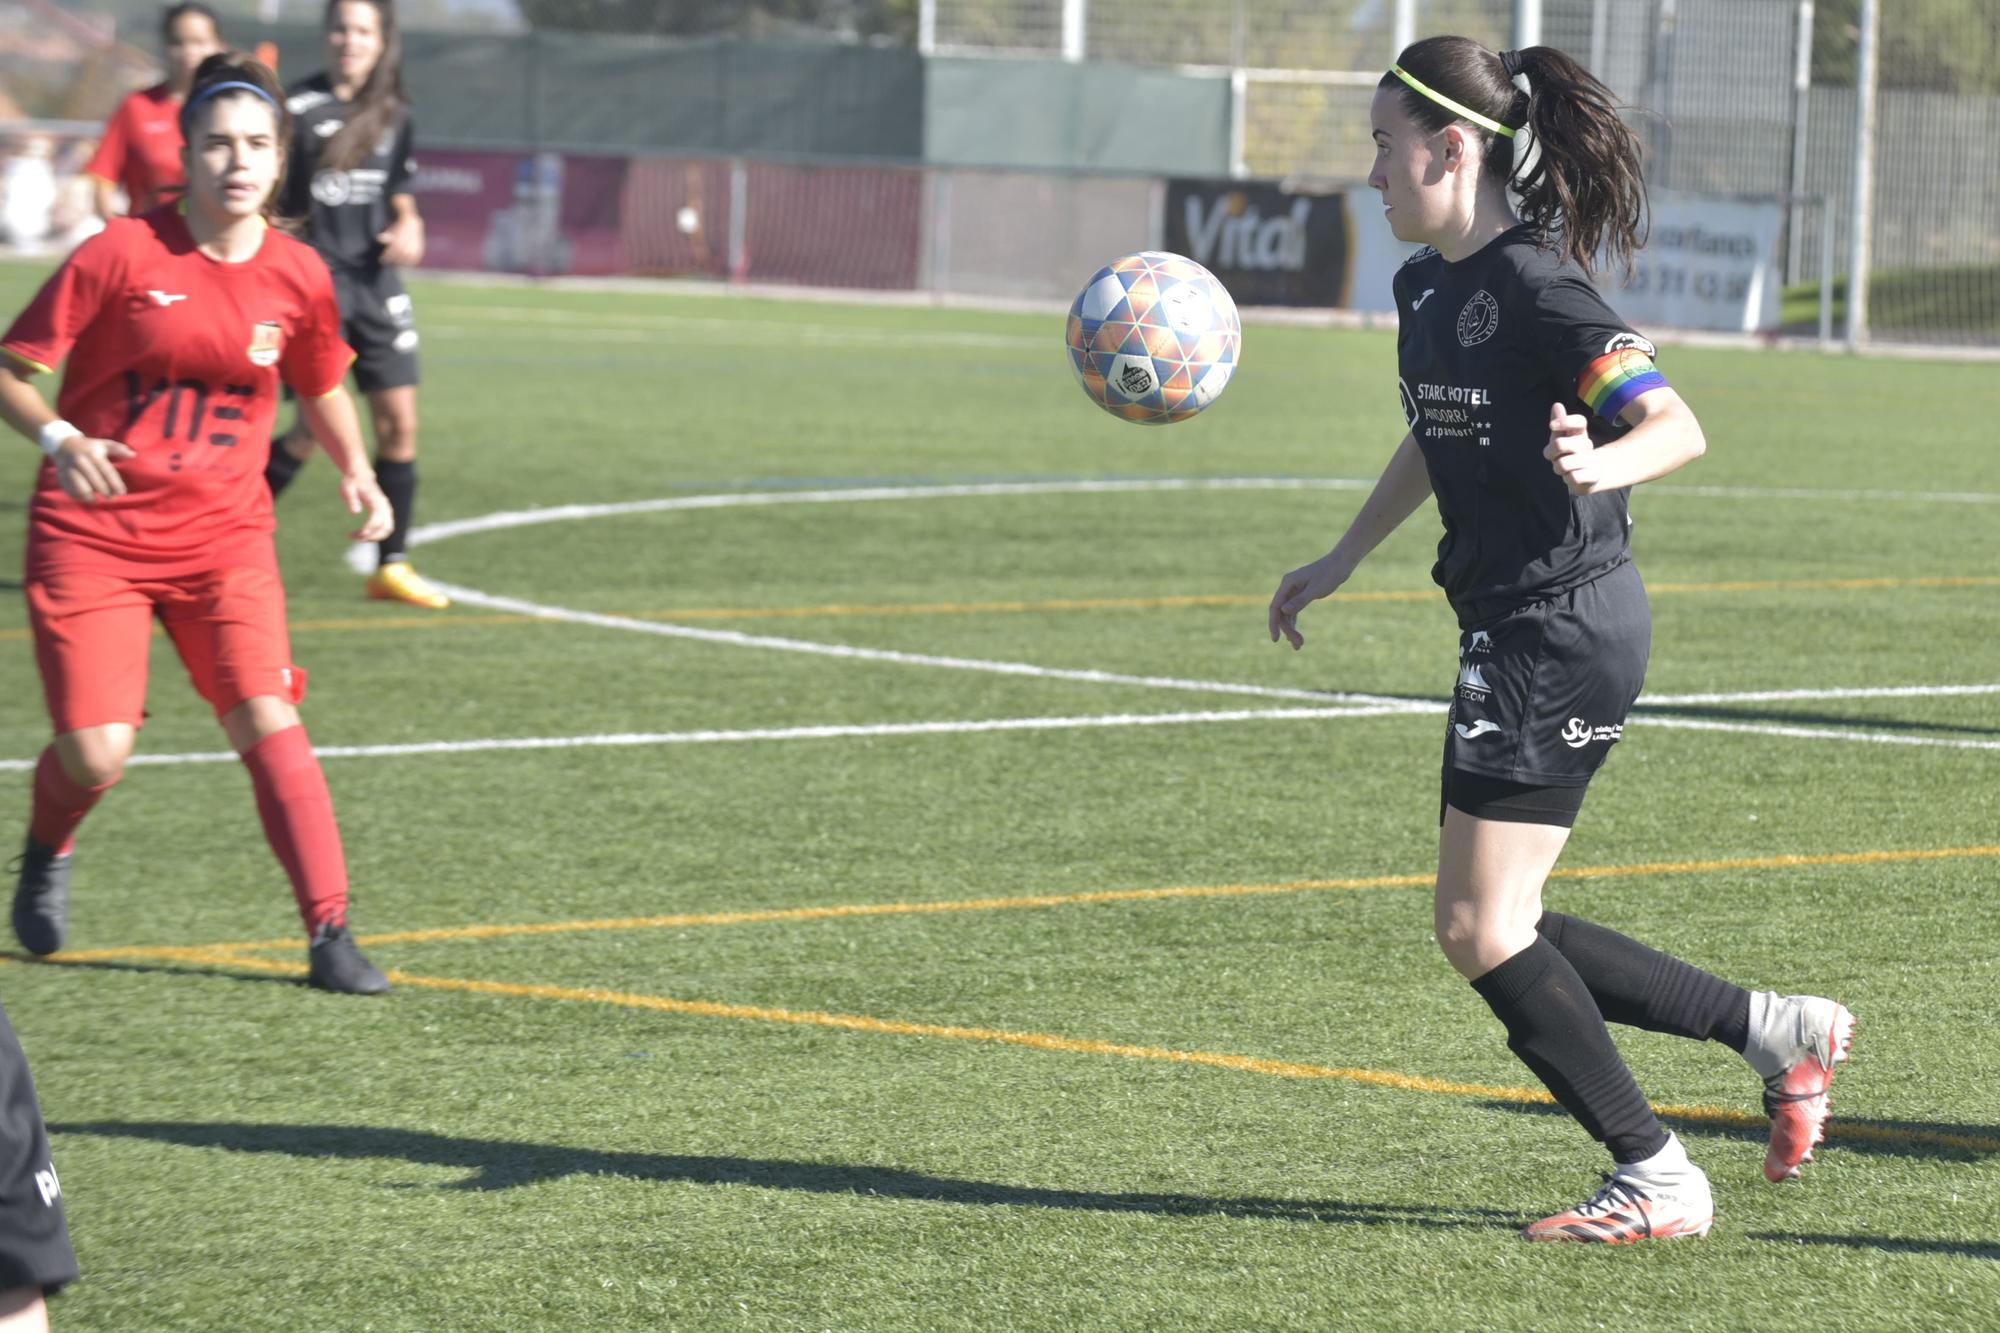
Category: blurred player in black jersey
[35,1255]
[1532,411]
[349,178]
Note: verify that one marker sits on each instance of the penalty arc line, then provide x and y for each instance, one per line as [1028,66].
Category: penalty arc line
[975,726]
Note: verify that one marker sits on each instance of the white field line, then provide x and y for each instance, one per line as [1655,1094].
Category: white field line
[1809,493]
[1813,733]
[738,639]
[833,732]
[359,558]
[1407,708]
[1857,692]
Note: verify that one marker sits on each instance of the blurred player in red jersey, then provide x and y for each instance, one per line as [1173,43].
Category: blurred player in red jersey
[141,147]
[349,176]
[178,325]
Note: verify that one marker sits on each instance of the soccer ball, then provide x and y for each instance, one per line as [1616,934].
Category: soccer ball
[1153,338]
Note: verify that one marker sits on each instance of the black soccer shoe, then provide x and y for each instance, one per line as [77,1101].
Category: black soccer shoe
[41,898]
[336,964]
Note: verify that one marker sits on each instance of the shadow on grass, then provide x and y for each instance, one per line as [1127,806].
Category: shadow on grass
[1965,1249]
[1933,1139]
[217,971]
[498,1165]
[1783,716]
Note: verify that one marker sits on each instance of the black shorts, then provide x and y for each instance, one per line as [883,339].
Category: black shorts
[376,321]
[34,1238]
[1542,692]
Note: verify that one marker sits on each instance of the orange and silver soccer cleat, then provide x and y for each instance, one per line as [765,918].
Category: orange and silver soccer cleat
[397,582]
[1629,1209]
[1803,1037]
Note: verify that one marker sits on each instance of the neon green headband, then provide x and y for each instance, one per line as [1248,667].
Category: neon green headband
[1454,107]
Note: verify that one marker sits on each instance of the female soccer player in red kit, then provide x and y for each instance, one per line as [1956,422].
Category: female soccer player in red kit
[178,325]
[141,147]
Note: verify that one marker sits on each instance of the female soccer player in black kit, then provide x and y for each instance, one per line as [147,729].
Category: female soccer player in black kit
[1532,411]
[349,178]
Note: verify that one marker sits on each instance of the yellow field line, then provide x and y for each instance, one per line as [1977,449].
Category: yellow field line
[834,911]
[839,610]
[1044,1041]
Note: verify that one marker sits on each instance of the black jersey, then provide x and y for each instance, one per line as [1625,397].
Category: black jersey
[344,211]
[1484,347]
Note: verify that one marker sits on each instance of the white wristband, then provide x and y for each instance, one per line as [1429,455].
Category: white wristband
[56,434]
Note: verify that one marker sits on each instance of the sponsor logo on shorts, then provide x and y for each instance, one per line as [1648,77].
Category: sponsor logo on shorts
[1577,733]
[406,341]
[1472,683]
[267,341]
[50,1187]
[1480,728]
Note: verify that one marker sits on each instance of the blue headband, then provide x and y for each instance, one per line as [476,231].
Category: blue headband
[187,112]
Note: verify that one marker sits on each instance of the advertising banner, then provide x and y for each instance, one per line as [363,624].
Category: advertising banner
[1269,245]
[540,213]
[1708,264]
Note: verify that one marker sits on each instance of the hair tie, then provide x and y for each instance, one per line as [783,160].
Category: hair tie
[1510,62]
[187,112]
[1456,108]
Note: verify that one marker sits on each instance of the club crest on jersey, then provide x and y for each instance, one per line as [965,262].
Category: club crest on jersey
[267,341]
[332,188]
[1479,320]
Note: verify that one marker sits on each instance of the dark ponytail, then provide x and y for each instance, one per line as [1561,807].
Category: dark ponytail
[381,100]
[1583,189]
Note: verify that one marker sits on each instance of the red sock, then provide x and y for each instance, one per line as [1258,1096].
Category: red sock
[297,811]
[59,803]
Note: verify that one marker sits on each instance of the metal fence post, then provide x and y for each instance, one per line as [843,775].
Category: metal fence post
[1859,236]
[1527,23]
[1801,106]
[1075,24]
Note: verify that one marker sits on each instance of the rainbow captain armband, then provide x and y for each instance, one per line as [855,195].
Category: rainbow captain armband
[1615,379]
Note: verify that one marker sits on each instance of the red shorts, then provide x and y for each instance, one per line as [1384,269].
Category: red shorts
[93,632]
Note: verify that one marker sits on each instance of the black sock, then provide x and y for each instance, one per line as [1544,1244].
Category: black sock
[1554,1027]
[278,473]
[399,482]
[1644,988]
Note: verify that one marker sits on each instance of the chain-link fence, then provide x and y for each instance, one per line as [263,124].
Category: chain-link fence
[1732,99]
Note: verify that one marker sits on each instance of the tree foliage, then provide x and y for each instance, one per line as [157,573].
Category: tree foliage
[1949,46]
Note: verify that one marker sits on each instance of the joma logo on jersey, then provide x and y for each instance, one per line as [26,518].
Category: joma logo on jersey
[267,341]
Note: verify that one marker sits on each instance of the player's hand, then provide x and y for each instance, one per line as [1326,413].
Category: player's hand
[1570,452]
[360,492]
[403,242]
[87,468]
[1300,589]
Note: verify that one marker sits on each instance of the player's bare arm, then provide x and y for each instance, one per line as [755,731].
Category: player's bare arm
[1664,437]
[403,239]
[334,423]
[85,467]
[1403,487]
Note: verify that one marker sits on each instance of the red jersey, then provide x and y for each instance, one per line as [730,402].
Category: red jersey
[141,147]
[178,356]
